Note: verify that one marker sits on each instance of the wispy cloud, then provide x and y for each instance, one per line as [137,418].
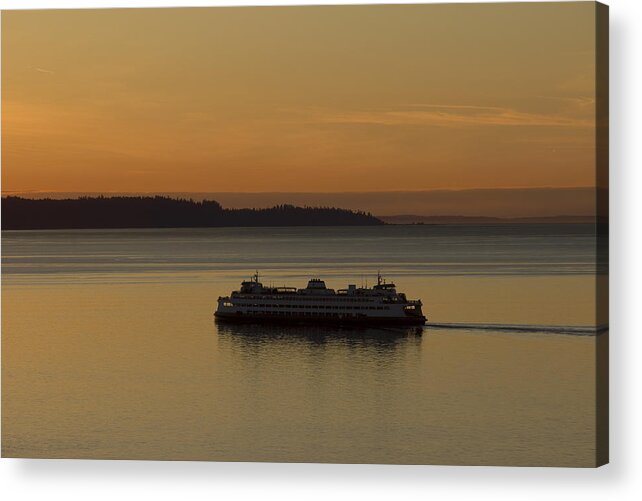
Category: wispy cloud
[451,115]
[43,70]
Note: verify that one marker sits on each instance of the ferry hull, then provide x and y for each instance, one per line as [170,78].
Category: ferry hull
[310,320]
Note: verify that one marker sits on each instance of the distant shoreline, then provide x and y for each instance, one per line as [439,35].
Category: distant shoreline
[163,212]
[483,220]
[118,212]
[486,202]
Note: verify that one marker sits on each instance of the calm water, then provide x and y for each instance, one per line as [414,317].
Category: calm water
[109,349]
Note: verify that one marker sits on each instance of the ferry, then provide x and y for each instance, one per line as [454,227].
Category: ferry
[317,304]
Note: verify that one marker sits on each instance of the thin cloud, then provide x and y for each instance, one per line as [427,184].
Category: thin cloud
[43,70]
[451,115]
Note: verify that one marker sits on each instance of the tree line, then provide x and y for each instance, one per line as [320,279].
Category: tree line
[20,213]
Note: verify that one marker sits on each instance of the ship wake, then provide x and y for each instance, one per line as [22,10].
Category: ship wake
[571,330]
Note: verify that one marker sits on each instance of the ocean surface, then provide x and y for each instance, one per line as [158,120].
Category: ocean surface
[109,348]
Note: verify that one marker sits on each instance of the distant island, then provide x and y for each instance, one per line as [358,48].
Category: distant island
[163,212]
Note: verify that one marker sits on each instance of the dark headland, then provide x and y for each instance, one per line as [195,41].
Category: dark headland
[163,212]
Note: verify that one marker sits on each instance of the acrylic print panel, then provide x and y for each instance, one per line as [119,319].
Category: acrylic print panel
[348,234]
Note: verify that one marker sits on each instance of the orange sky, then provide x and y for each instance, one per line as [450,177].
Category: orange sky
[300,99]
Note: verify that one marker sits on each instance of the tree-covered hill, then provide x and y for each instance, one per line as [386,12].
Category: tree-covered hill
[162,212]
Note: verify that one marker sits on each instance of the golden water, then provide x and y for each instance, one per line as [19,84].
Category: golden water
[111,354]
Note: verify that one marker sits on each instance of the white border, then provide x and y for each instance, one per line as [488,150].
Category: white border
[622,479]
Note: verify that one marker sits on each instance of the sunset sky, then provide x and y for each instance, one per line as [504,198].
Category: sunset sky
[299,99]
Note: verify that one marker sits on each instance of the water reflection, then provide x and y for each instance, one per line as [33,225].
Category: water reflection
[254,335]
